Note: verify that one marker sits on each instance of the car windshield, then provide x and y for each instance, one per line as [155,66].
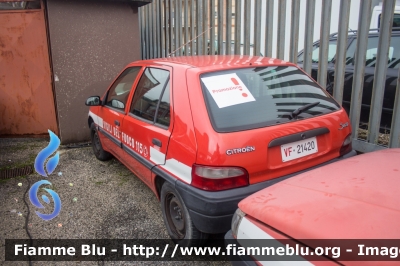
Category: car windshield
[248,98]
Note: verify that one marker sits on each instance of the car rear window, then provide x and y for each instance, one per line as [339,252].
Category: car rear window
[248,98]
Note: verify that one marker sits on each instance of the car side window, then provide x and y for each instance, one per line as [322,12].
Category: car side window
[151,99]
[394,52]
[350,53]
[300,58]
[315,52]
[118,94]
[372,50]
[396,21]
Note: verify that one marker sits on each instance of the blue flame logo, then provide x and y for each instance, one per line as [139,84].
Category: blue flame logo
[45,153]
[35,201]
[50,166]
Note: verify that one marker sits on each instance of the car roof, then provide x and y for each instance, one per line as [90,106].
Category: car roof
[346,199]
[372,32]
[216,60]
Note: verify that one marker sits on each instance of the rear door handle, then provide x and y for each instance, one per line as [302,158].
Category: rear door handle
[157,142]
[116,122]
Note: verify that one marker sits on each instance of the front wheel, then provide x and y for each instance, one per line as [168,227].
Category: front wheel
[98,151]
[177,218]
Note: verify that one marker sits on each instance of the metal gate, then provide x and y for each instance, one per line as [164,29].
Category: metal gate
[271,28]
[26,95]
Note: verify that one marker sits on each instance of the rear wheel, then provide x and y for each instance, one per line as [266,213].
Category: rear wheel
[177,218]
[100,154]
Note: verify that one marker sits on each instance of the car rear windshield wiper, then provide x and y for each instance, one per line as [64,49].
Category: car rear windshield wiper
[299,110]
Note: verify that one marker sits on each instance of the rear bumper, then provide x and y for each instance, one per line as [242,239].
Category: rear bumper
[212,212]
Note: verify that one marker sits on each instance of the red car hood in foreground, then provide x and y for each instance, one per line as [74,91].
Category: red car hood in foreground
[357,198]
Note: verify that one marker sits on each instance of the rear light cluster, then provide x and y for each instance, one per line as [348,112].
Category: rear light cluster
[346,146]
[213,178]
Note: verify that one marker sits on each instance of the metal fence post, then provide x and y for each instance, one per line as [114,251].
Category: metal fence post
[385,33]
[186,21]
[192,26]
[280,49]
[247,13]
[341,48]
[205,27]
[162,28]
[153,40]
[238,26]
[220,20]
[212,26]
[148,35]
[228,27]
[257,28]
[181,29]
[174,4]
[269,28]
[324,42]
[172,25]
[359,68]
[157,29]
[166,28]
[142,32]
[199,39]
[308,39]
[394,141]
[294,33]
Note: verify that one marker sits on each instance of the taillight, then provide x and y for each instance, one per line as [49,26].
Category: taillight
[218,178]
[346,146]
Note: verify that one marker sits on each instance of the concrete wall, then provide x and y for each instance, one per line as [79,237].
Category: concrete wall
[90,42]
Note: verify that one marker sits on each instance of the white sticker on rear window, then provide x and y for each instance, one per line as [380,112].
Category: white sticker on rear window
[227,90]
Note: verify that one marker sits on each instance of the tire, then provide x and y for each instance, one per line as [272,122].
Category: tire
[98,151]
[177,219]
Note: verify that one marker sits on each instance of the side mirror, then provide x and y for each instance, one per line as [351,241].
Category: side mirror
[93,101]
[117,104]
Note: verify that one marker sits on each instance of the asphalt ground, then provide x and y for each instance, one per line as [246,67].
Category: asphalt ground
[100,200]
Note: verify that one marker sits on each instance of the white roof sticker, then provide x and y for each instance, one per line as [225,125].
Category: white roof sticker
[228,90]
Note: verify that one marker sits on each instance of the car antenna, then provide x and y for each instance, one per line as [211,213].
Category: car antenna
[190,41]
[353,31]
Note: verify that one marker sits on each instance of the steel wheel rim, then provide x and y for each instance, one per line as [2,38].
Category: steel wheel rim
[175,215]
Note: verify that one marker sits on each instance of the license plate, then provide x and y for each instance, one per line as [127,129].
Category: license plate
[299,149]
